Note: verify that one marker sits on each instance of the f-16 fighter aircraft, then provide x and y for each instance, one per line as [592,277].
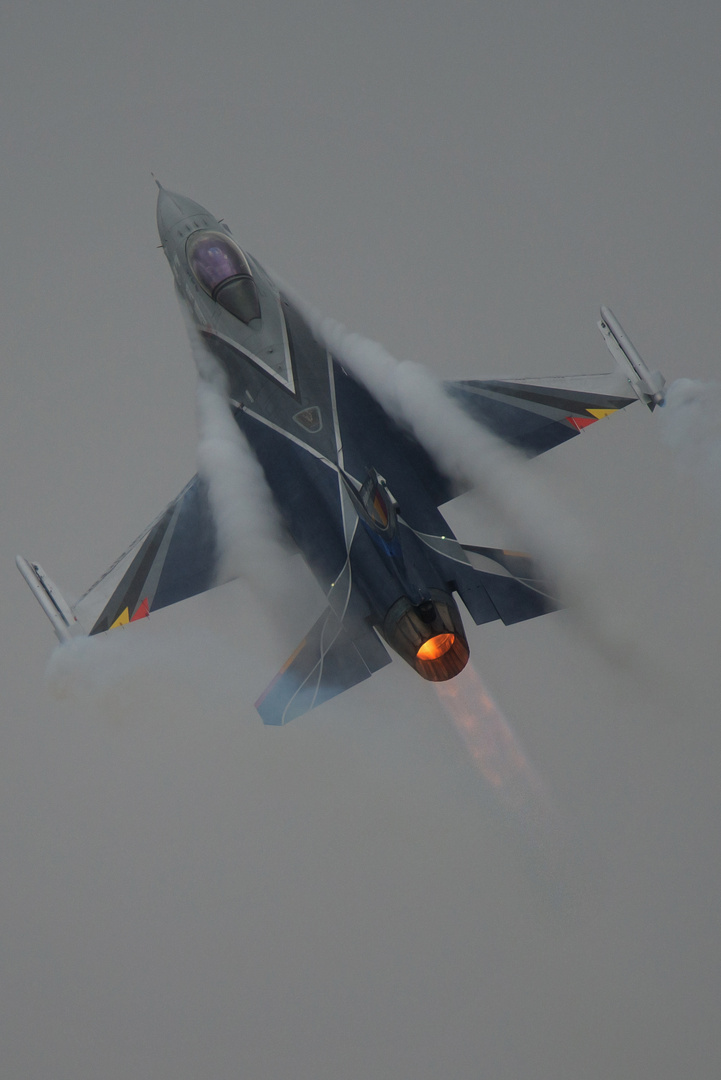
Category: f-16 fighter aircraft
[358,494]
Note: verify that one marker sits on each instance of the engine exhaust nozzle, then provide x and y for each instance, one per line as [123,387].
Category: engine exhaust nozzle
[429,636]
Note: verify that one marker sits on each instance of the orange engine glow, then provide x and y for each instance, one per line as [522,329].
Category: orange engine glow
[436,646]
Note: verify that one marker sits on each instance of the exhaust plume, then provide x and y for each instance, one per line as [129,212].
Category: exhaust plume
[491,743]
[516,788]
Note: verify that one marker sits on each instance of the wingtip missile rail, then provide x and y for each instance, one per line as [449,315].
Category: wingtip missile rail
[47,594]
[649,386]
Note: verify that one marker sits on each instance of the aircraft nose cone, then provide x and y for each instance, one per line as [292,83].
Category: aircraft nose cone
[172,209]
[168,212]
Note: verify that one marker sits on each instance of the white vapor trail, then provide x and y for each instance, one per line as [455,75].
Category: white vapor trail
[250,532]
[691,427]
[250,539]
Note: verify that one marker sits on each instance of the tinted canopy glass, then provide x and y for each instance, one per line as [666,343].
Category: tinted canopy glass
[222,270]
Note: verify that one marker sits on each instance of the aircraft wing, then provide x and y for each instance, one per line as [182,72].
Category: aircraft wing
[534,415]
[531,415]
[176,557]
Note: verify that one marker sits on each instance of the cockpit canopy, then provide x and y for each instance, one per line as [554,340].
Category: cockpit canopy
[222,270]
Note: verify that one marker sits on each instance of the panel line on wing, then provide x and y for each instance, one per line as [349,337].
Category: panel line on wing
[334,410]
[318,666]
[330,595]
[444,545]
[350,524]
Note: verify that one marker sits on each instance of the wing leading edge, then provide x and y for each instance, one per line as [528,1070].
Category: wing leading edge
[530,415]
[535,415]
[176,557]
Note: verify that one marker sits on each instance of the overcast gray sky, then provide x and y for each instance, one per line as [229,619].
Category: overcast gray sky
[184,893]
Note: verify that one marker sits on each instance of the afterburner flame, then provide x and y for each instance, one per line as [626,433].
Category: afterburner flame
[492,744]
[517,789]
[436,646]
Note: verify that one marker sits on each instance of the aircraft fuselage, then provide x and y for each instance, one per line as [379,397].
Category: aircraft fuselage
[315,431]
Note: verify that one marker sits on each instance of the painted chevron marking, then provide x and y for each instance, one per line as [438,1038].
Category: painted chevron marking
[600,413]
[580,422]
[124,617]
[143,611]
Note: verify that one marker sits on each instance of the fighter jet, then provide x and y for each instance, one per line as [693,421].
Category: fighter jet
[357,493]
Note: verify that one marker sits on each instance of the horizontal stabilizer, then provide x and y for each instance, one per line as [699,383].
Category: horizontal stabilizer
[511,582]
[330,659]
[493,583]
